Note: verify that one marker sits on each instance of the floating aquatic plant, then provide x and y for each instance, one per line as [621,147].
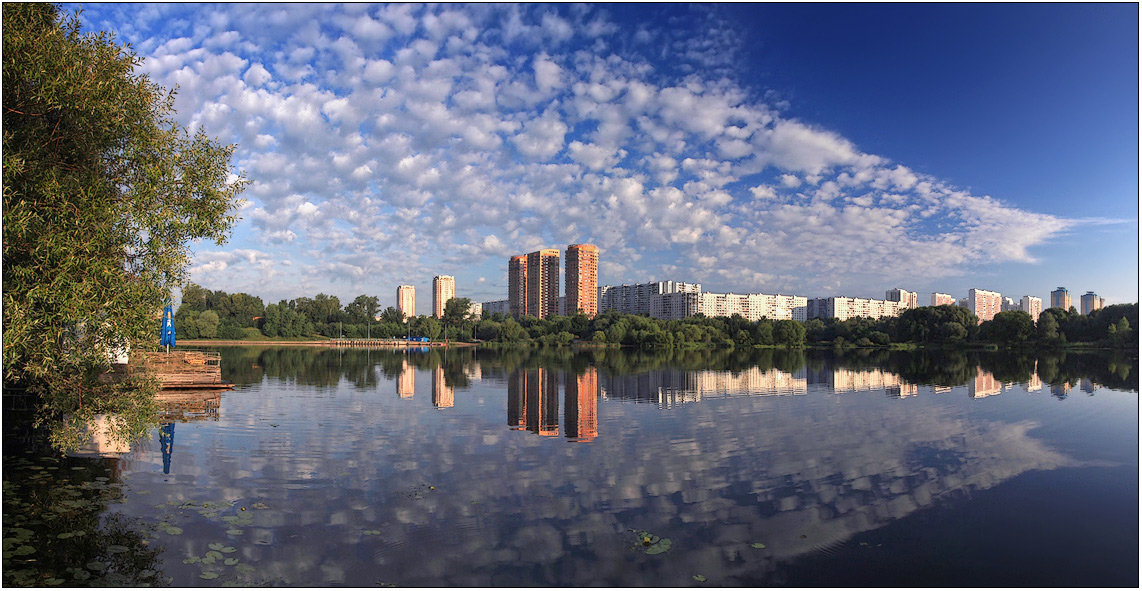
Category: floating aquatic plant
[757,545]
[700,578]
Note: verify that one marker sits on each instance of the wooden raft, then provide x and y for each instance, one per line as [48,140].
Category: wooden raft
[182,370]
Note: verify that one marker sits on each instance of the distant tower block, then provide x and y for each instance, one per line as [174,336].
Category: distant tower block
[406,300]
[1061,298]
[443,289]
[517,286]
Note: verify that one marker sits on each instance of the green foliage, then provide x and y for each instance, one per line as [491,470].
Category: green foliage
[1010,328]
[103,194]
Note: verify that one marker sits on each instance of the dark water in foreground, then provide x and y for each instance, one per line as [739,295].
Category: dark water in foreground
[526,468]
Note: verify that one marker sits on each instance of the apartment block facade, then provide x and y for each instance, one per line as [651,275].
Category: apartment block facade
[443,289]
[842,308]
[517,285]
[582,279]
[543,283]
[406,300]
[497,307]
[636,299]
[1032,305]
[943,299]
[984,304]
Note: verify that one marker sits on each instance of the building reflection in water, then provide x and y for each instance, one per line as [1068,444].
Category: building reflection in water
[533,403]
[443,395]
[984,384]
[581,405]
[406,380]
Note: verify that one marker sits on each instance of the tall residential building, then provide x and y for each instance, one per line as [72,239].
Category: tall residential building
[406,300]
[1032,305]
[543,283]
[942,299]
[1061,298]
[984,304]
[582,276]
[517,285]
[907,299]
[1090,302]
[443,289]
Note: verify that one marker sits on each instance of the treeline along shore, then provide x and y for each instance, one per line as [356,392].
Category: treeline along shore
[216,317]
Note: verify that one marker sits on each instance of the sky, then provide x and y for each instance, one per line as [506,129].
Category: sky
[803,149]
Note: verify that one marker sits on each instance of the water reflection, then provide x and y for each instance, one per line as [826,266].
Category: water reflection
[346,484]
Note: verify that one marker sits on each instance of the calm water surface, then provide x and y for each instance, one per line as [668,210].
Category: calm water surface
[525,468]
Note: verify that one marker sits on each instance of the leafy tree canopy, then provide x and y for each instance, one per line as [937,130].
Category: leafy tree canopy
[103,194]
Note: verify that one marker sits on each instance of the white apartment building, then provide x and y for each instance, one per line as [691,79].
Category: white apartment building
[1032,305]
[843,308]
[497,306]
[635,299]
[751,306]
[907,299]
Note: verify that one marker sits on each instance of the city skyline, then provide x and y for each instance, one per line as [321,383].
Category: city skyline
[740,146]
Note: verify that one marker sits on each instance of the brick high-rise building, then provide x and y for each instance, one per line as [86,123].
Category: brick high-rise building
[517,285]
[443,289]
[543,283]
[406,300]
[582,279]
[1061,298]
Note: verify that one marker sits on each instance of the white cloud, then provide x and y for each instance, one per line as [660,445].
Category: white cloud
[516,127]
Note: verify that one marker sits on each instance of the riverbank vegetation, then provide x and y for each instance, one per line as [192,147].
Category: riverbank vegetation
[103,194]
[216,314]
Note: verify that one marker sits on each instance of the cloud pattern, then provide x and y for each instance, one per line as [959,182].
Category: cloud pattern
[386,144]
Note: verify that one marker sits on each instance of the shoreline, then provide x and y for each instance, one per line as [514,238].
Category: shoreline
[323,343]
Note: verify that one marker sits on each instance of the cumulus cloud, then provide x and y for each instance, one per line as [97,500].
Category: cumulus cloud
[523,126]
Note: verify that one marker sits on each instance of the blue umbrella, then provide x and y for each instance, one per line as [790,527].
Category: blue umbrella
[166,336]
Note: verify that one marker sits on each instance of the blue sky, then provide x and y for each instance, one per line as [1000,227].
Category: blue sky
[808,149]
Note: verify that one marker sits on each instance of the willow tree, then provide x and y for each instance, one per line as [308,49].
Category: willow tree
[103,194]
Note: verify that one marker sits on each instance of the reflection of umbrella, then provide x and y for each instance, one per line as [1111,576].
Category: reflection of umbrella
[166,336]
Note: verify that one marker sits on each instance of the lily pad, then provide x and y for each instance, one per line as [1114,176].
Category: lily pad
[230,561]
[234,532]
[661,546]
[372,532]
[216,555]
[757,545]
[116,549]
[173,530]
[208,575]
[700,578]
[96,565]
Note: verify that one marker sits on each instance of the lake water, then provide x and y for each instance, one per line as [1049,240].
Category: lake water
[574,468]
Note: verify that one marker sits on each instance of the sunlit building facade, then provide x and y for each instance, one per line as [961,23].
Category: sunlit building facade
[406,300]
[582,278]
[1032,306]
[443,289]
[636,299]
[942,299]
[517,285]
[843,308]
[984,304]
